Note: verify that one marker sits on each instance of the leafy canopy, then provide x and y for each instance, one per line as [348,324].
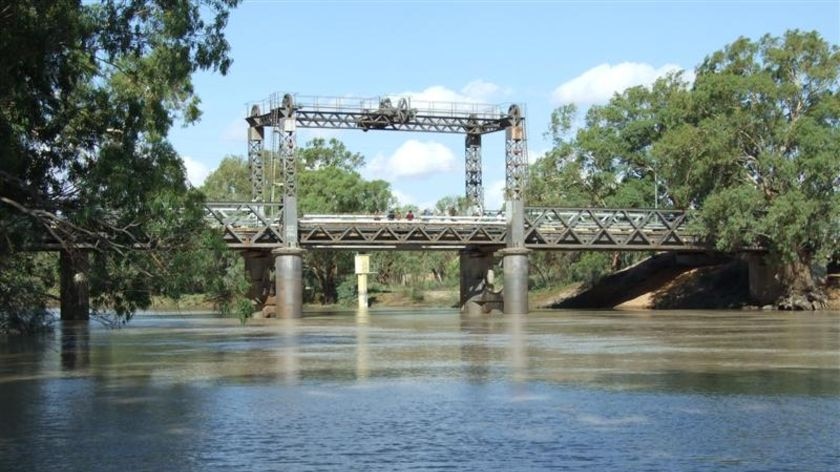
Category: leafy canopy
[752,145]
[89,94]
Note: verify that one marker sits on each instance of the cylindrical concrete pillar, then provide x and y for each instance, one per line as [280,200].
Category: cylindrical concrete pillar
[515,262]
[75,299]
[288,276]
[474,265]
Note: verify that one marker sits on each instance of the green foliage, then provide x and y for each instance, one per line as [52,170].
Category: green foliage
[319,153]
[458,205]
[25,281]
[346,291]
[590,268]
[89,95]
[328,184]
[229,182]
[336,190]
[752,144]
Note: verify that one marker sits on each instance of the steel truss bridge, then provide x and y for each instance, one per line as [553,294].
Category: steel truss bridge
[260,226]
[277,229]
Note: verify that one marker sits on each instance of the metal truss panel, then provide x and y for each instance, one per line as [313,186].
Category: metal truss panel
[245,225]
[608,229]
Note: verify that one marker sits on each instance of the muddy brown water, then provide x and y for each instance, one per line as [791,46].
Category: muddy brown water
[428,390]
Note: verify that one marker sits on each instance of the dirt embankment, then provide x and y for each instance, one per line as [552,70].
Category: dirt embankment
[669,281]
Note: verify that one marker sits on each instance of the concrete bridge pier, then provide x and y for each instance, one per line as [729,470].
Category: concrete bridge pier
[475,265]
[515,292]
[258,271]
[362,263]
[288,277]
[764,286]
[75,298]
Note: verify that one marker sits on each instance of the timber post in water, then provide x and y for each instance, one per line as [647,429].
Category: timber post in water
[75,297]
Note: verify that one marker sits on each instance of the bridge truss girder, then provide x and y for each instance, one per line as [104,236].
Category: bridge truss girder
[609,229]
[252,226]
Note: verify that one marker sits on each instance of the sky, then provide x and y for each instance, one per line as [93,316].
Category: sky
[539,54]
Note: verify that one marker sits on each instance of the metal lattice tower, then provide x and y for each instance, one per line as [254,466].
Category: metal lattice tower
[474,190]
[516,159]
[256,137]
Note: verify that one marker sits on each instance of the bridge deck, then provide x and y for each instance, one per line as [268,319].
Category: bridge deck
[252,226]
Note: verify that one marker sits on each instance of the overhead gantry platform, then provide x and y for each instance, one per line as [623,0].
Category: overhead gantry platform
[287,112]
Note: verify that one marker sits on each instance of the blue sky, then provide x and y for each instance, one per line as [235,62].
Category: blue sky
[537,53]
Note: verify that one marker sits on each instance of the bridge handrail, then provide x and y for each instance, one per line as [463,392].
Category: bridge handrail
[418,219]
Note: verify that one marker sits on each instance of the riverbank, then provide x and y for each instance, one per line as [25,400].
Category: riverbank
[660,282]
[670,281]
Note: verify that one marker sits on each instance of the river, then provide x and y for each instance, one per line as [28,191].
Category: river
[428,390]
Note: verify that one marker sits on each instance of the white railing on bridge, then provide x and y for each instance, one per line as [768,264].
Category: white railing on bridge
[418,219]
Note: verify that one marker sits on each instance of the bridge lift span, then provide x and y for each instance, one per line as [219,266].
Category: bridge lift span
[285,113]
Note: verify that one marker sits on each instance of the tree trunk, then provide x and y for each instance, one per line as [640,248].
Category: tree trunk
[329,287]
[800,291]
[615,263]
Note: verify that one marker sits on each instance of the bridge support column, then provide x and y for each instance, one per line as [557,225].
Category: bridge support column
[764,286]
[362,270]
[476,267]
[75,299]
[288,277]
[515,262]
[258,269]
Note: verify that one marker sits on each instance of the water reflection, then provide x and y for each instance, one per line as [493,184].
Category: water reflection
[475,347]
[290,352]
[564,390]
[75,345]
[362,350]
[518,358]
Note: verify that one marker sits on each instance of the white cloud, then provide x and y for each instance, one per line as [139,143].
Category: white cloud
[598,84]
[414,159]
[481,90]
[236,130]
[470,99]
[402,197]
[196,171]
[494,195]
[533,156]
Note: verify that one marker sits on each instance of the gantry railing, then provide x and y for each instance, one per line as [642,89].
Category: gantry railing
[381,113]
[255,226]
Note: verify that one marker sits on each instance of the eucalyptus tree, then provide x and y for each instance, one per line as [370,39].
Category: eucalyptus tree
[751,144]
[90,91]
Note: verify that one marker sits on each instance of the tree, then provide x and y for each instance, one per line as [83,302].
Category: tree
[229,182]
[327,183]
[333,190]
[319,153]
[90,92]
[752,145]
[768,113]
